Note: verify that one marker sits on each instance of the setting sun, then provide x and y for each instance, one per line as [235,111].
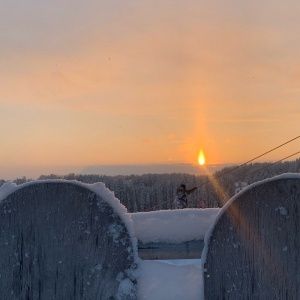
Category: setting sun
[201,158]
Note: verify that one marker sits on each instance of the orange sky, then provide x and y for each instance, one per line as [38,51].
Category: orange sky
[109,82]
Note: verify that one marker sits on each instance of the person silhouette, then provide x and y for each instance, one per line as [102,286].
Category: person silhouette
[181,193]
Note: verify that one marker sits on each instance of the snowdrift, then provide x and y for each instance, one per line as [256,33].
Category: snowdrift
[173,226]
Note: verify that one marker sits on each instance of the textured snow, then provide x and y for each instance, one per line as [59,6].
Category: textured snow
[173,226]
[126,289]
[161,280]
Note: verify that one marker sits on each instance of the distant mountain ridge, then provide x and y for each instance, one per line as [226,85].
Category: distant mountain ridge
[114,170]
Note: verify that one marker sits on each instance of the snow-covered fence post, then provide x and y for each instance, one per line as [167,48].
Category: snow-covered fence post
[65,240]
[253,250]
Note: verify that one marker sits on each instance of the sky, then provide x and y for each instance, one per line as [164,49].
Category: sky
[146,82]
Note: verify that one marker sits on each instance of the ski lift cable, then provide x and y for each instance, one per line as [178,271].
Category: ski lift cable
[269,165]
[239,166]
[231,170]
[265,167]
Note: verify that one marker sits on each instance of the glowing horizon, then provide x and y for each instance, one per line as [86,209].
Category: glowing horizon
[143,83]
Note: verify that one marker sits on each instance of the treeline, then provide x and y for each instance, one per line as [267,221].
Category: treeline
[157,191]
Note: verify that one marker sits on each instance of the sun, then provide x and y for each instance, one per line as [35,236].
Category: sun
[201,158]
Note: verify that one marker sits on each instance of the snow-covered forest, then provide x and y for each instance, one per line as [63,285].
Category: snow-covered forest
[150,192]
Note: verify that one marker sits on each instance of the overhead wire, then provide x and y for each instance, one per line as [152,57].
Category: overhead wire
[269,165]
[239,166]
[247,162]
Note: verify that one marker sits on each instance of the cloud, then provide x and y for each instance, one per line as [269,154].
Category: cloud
[149,62]
[202,71]
[147,141]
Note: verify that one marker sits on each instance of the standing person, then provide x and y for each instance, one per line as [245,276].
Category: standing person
[181,194]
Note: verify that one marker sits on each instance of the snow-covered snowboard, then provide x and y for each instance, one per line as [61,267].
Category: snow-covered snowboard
[254,248]
[61,240]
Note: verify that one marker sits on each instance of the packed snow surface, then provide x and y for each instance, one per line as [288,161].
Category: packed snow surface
[170,280]
[173,226]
